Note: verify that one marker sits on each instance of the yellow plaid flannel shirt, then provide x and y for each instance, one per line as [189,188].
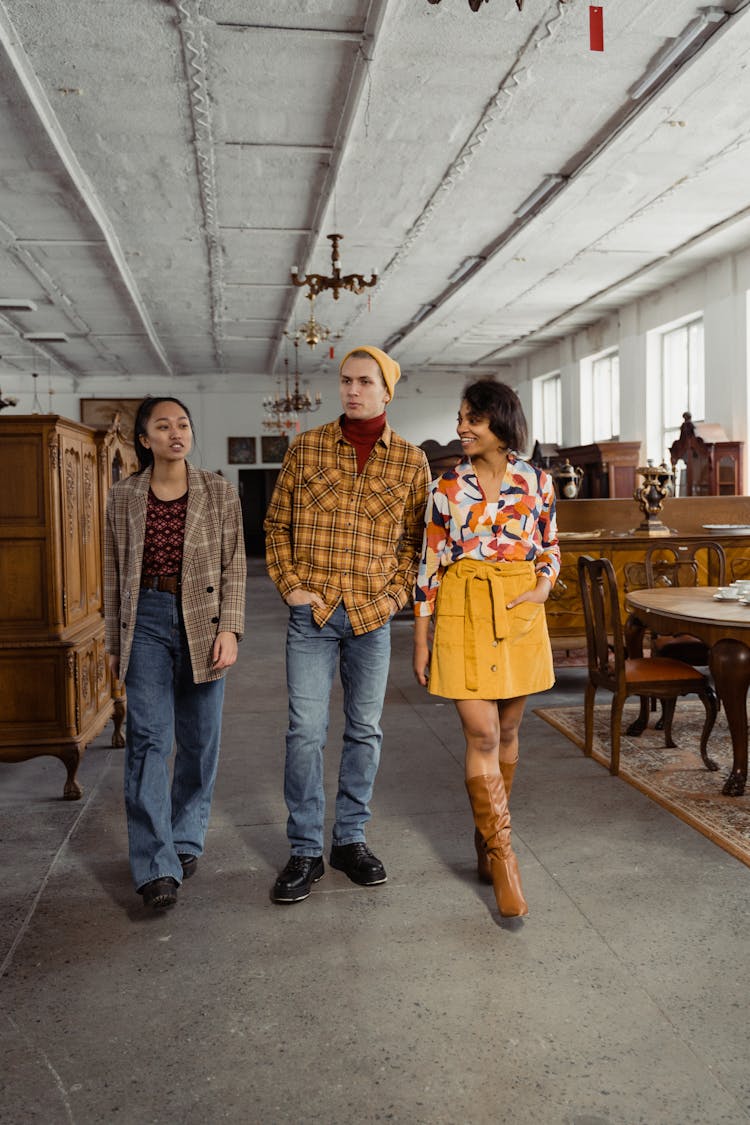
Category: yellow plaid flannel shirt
[348,536]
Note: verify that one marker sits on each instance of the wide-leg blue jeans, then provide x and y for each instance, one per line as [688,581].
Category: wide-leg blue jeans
[312,654]
[167,710]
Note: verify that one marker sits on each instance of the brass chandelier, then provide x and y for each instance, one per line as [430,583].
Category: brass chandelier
[312,332]
[317,283]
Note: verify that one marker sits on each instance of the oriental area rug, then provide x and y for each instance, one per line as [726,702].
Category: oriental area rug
[676,779]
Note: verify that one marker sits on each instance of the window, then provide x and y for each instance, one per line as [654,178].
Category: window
[548,409]
[682,378]
[600,397]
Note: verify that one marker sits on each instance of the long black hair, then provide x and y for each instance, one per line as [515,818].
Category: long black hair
[144,412]
[501,406]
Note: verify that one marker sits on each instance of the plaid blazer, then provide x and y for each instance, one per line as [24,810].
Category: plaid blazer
[348,535]
[214,566]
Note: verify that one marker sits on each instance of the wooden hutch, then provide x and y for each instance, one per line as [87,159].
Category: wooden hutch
[713,465]
[56,690]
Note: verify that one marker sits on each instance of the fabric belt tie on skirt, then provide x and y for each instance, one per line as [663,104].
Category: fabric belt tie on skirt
[471,574]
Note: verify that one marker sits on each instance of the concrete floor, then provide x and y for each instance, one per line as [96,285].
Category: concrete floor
[620,1000]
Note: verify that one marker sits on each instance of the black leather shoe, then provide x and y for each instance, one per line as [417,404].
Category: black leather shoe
[295,881]
[160,893]
[189,864]
[358,862]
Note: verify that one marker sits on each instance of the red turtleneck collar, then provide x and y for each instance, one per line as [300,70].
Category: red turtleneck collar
[362,433]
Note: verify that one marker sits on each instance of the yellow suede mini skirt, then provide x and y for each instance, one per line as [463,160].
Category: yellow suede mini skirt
[481,650]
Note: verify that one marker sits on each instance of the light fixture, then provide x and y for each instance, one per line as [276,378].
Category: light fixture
[539,193]
[317,282]
[475,5]
[36,406]
[391,342]
[466,266]
[46,337]
[7,400]
[677,48]
[16,304]
[311,331]
[421,313]
[282,412]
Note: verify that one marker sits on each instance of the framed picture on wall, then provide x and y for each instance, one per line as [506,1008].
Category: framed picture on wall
[98,412]
[273,448]
[241,450]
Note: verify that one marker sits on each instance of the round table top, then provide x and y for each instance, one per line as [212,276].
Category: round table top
[709,618]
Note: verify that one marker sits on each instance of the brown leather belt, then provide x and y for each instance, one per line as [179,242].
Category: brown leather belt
[167,583]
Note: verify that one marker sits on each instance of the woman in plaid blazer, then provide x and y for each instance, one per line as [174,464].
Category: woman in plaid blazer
[174,603]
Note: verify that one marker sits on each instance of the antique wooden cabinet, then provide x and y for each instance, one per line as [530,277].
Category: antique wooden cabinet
[609,529]
[56,692]
[608,467]
[705,463]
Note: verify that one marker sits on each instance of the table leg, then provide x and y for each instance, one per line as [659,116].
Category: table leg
[730,667]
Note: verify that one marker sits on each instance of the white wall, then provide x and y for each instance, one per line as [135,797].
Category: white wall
[718,291]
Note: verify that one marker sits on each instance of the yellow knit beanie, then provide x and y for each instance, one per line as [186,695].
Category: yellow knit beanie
[389,368]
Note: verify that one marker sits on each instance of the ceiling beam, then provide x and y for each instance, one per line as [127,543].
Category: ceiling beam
[34,91]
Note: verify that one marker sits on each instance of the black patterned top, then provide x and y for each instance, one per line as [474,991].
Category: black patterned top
[165,531]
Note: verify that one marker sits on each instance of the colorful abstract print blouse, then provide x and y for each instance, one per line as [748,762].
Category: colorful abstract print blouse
[459,524]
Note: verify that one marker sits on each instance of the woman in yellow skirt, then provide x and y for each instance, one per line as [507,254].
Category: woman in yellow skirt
[489,560]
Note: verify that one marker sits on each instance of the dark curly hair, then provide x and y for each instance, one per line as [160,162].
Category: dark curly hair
[144,412]
[501,406]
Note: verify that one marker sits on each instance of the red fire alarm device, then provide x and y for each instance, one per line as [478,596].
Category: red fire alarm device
[596,28]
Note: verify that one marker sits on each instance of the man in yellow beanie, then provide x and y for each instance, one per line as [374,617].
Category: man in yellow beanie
[343,534]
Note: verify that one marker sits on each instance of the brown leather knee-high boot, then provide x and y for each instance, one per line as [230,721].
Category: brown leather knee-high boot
[507,769]
[492,818]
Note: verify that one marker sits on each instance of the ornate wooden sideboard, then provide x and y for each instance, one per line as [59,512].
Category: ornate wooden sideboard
[609,529]
[56,692]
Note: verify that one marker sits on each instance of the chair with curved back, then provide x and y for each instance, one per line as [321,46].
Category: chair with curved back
[679,564]
[739,568]
[650,677]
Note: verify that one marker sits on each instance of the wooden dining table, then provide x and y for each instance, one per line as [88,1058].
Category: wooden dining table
[724,626]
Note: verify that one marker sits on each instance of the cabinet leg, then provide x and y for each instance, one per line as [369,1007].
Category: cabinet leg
[118,718]
[72,791]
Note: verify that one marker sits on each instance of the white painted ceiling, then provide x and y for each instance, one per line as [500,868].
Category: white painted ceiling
[163,164]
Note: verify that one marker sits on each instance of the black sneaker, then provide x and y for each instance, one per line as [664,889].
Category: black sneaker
[295,881]
[358,862]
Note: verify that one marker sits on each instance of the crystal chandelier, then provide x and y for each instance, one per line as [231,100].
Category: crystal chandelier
[283,410]
[318,282]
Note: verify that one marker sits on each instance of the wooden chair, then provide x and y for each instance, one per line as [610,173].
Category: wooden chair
[739,568]
[678,564]
[651,677]
[681,564]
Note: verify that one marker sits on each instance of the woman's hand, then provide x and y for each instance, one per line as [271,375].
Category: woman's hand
[539,594]
[421,660]
[114,666]
[224,651]
[304,597]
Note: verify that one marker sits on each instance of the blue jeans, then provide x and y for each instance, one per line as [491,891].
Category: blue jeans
[166,708]
[311,657]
